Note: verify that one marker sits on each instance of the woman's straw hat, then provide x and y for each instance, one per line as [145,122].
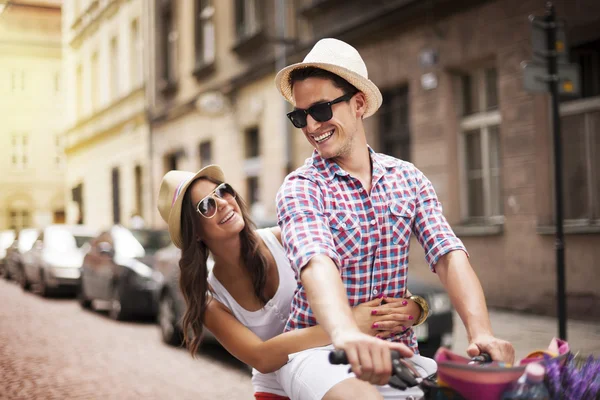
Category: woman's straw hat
[341,59]
[172,190]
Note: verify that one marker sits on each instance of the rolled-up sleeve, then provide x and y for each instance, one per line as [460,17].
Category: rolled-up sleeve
[430,226]
[303,222]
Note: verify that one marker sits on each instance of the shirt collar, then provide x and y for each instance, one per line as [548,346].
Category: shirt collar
[329,169]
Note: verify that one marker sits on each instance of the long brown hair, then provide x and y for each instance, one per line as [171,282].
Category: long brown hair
[194,272]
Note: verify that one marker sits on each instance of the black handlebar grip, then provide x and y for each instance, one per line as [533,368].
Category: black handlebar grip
[338,356]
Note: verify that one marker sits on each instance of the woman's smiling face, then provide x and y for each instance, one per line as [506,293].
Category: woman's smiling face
[228,217]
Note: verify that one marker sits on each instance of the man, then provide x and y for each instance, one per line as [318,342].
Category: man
[346,218]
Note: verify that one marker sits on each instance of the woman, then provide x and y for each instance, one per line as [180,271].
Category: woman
[244,301]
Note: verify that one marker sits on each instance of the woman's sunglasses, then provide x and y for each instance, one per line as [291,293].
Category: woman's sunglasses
[207,207]
[320,112]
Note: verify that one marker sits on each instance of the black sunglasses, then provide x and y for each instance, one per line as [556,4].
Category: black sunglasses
[207,207]
[321,112]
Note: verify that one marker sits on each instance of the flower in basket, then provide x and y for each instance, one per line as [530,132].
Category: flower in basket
[576,379]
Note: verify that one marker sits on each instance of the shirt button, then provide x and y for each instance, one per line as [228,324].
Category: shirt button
[373,222]
[375,292]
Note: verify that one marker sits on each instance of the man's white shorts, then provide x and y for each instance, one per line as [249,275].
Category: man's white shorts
[308,375]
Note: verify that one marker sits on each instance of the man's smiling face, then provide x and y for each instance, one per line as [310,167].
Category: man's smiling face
[333,138]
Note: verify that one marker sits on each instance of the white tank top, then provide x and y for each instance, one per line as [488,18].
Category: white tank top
[270,320]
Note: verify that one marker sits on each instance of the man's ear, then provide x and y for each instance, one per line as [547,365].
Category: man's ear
[361,104]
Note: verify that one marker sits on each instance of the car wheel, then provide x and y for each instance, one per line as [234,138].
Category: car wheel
[83,300]
[167,320]
[116,311]
[44,289]
[23,281]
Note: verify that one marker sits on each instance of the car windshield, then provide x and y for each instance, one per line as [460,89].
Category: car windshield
[27,239]
[152,241]
[6,239]
[80,240]
[126,245]
[59,238]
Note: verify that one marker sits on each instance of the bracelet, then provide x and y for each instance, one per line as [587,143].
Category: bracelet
[422,303]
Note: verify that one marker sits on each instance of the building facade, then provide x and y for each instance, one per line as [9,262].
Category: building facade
[32,165]
[454,105]
[213,97]
[106,130]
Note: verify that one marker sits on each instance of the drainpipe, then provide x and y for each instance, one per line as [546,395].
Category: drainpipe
[281,62]
[148,100]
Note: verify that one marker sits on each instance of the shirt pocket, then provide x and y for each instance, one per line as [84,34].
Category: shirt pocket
[402,214]
[345,229]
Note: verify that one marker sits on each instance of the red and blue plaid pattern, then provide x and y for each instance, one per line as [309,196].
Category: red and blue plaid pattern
[322,210]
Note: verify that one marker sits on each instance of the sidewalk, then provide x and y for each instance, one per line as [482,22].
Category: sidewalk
[532,332]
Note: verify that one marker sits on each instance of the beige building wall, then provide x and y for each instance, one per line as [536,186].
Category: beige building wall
[187,116]
[106,127]
[32,165]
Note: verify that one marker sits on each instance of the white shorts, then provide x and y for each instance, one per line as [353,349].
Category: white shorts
[308,375]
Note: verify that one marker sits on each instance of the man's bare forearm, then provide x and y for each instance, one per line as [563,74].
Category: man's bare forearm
[463,286]
[327,295]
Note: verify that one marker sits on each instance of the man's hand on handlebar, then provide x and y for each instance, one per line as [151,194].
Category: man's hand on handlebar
[498,349]
[369,357]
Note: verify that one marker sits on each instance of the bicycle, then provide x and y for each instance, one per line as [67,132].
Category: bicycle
[405,375]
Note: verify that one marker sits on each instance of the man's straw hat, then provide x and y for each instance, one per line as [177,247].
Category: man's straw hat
[341,59]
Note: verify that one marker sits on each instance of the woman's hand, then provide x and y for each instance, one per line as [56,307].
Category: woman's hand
[395,316]
[386,317]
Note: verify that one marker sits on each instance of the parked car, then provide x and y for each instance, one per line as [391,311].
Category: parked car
[118,269]
[435,332]
[14,254]
[172,305]
[6,239]
[54,261]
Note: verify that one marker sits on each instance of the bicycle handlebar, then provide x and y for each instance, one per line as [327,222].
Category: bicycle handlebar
[338,356]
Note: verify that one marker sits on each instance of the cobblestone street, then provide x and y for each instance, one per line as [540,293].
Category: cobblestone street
[52,349]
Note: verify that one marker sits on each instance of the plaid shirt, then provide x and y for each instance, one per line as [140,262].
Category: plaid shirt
[323,210]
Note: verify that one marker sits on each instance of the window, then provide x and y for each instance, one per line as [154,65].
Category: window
[59,151]
[168,40]
[394,130]
[17,80]
[77,197]
[205,33]
[480,147]
[253,195]
[95,81]
[20,150]
[580,127]
[247,18]
[114,68]
[252,143]
[138,190]
[56,82]
[205,154]
[19,219]
[135,52]
[79,89]
[116,196]
[171,160]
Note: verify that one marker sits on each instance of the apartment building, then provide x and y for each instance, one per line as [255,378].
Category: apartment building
[32,165]
[106,130]
[213,96]
[454,105]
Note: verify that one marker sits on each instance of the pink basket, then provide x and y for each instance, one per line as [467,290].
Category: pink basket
[489,381]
